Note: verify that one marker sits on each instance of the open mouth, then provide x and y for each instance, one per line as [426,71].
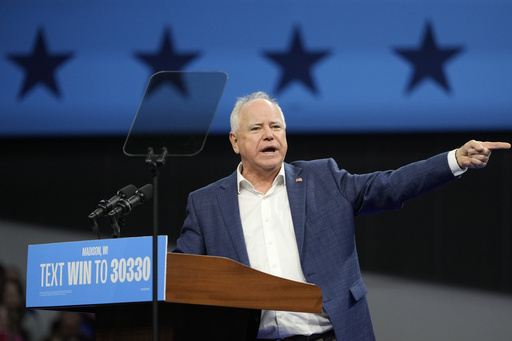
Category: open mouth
[269,150]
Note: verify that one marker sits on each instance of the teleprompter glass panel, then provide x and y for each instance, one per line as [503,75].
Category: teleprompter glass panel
[175,113]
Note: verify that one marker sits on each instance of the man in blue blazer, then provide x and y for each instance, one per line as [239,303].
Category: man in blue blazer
[296,220]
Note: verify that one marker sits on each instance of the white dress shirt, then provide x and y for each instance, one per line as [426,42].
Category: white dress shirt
[272,248]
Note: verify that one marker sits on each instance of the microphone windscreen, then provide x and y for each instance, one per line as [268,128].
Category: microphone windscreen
[127,191]
[146,191]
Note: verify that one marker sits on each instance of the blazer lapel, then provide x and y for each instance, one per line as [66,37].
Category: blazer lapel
[296,188]
[227,198]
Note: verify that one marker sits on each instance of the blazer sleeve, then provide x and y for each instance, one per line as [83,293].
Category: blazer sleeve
[388,190]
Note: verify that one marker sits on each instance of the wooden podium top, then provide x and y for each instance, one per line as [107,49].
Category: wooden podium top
[219,281]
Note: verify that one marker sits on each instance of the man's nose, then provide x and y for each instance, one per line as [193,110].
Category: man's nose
[268,134]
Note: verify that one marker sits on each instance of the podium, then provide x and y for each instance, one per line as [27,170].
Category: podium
[206,298]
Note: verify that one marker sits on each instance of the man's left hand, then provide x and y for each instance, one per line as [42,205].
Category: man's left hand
[475,154]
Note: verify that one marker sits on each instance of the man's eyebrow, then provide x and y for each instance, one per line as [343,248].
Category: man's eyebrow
[252,124]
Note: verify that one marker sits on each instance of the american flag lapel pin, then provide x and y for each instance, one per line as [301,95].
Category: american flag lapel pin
[298,180]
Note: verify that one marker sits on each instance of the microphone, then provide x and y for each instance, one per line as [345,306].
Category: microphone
[125,206]
[105,206]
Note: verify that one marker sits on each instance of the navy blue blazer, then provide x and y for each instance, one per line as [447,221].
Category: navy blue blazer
[323,204]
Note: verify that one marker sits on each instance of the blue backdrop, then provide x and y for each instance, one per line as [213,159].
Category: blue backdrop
[81,67]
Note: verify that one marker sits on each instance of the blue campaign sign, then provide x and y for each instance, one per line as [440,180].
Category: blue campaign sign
[94,272]
[80,67]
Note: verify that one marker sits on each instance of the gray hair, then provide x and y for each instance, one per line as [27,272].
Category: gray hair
[241,101]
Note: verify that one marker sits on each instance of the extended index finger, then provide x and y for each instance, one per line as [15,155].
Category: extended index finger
[496,145]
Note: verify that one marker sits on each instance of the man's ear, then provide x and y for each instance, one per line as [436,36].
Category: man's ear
[234,142]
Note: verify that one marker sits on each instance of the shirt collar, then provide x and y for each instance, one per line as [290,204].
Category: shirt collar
[242,182]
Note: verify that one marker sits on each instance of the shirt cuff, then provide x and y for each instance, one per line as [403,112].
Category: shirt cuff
[454,166]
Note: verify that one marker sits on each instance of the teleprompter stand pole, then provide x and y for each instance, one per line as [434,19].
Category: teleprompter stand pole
[155,161]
